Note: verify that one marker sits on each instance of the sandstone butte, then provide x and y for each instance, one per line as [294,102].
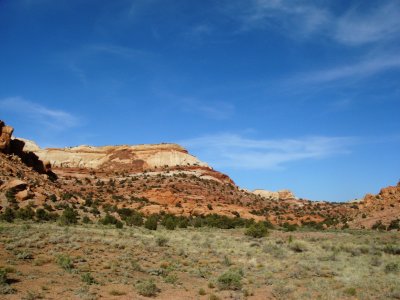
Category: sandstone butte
[164,178]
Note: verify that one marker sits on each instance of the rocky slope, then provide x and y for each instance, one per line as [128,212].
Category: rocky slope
[162,178]
[382,208]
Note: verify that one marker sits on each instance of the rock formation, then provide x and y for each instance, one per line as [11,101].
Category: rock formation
[18,147]
[5,137]
[282,194]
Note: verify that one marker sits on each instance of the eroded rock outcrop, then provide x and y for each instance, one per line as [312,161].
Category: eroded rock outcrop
[9,145]
[5,137]
[279,195]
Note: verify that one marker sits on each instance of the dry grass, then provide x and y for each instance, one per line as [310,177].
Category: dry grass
[49,261]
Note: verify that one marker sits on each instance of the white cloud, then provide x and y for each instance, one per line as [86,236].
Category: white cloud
[218,110]
[367,67]
[381,23]
[294,17]
[235,151]
[52,118]
[358,25]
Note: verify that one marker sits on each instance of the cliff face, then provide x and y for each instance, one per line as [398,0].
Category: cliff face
[129,158]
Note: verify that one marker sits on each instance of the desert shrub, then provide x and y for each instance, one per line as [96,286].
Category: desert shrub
[8,215]
[392,249]
[392,267]
[298,246]
[197,222]
[65,262]
[119,225]
[170,222]
[289,227]
[67,196]
[394,225]
[86,220]
[3,276]
[202,292]
[24,255]
[108,220]
[257,230]
[147,288]
[10,195]
[134,220]
[88,278]
[313,225]
[350,291]
[69,217]
[378,226]
[25,213]
[42,215]
[171,279]
[53,198]
[183,222]
[267,224]
[230,280]
[151,222]
[161,241]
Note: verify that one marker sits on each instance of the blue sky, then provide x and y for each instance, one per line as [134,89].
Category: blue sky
[278,94]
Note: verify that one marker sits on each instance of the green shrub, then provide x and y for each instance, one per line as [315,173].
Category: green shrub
[298,246]
[147,288]
[135,219]
[350,291]
[69,217]
[289,227]
[170,222]
[119,225]
[202,292]
[86,220]
[392,267]
[88,278]
[151,222]
[8,215]
[42,215]
[161,241]
[257,230]
[108,220]
[230,280]
[394,225]
[3,276]
[10,195]
[65,262]
[378,226]
[392,249]
[53,198]
[25,213]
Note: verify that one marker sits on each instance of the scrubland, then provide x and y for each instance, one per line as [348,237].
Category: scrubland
[93,261]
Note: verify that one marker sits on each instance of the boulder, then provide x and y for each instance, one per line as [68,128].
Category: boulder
[23,195]
[5,137]
[14,184]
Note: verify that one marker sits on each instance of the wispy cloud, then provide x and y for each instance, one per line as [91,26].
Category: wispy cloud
[367,67]
[358,25]
[293,16]
[123,52]
[235,151]
[51,118]
[218,110]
